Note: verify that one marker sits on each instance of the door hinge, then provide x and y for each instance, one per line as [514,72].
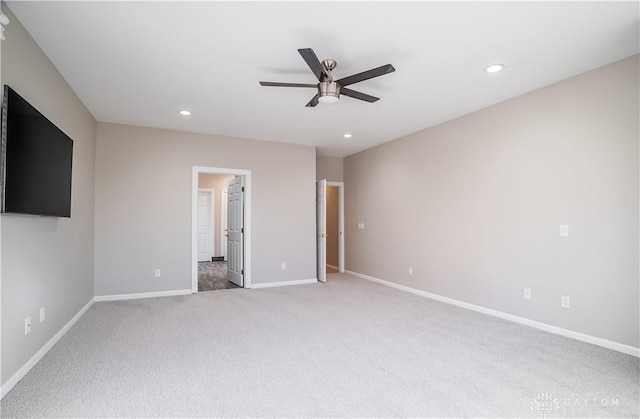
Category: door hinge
[242,272]
[243,189]
[242,230]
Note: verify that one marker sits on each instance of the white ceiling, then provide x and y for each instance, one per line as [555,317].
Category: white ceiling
[138,63]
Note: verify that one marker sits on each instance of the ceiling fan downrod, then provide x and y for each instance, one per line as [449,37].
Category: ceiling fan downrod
[328,90]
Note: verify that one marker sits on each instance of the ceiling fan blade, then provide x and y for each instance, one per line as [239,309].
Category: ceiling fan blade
[358,95]
[277,84]
[313,102]
[313,62]
[366,75]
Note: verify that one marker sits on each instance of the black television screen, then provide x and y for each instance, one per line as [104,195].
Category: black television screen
[36,161]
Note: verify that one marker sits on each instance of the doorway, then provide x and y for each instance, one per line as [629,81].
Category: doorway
[220,180]
[333,229]
[212,230]
[330,228]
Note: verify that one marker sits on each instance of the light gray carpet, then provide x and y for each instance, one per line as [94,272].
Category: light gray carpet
[348,348]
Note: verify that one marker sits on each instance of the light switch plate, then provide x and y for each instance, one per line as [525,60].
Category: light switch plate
[360,226]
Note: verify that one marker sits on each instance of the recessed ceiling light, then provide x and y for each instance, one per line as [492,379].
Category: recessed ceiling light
[348,135]
[184,112]
[494,68]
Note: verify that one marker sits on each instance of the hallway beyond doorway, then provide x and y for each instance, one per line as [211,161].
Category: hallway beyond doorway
[213,276]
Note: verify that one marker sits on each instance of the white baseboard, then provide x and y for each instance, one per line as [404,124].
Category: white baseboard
[284,283]
[333,267]
[135,296]
[15,378]
[620,347]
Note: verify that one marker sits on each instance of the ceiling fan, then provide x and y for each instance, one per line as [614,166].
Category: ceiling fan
[329,90]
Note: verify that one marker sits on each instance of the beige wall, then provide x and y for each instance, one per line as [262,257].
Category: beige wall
[46,261]
[474,206]
[143,206]
[218,183]
[332,225]
[329,168]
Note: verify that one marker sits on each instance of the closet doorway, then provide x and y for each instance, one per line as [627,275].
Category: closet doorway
[329,228]
[334,231]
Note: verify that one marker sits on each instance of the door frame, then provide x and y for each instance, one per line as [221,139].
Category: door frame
[212,217]
[321,230]
[340,186]
[196,170]
[224,201]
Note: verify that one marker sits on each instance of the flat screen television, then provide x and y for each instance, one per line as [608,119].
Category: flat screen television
[35,172]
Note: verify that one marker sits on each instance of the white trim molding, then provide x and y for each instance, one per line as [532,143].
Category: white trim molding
[138,295]
[284,283]
[605,343]
[15,378]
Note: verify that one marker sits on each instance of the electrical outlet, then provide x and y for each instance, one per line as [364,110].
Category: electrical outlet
[410,270]
[565,301]
[564,230]
[284,266]
[158,273]
[27,325]
[527,293]
[41,314]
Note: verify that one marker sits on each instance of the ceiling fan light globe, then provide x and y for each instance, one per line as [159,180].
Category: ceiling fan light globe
[328,100]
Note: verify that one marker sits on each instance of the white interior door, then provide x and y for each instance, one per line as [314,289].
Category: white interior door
[321,227]
[224,198]
[205,226]
[235,233]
